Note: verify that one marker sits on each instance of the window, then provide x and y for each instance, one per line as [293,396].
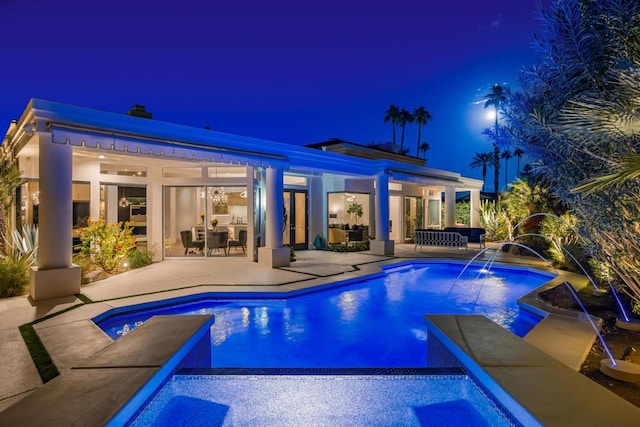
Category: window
[123,170]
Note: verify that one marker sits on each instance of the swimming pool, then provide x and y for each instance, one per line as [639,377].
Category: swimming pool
[372,322]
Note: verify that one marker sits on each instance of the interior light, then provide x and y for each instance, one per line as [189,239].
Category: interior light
[101,156]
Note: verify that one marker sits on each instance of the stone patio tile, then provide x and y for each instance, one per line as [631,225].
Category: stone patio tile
[18,373]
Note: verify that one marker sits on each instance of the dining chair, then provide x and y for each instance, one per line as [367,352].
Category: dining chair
[217,240]
[188,242]
[241,241]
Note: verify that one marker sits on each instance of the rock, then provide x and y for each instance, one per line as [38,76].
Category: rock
[560,296]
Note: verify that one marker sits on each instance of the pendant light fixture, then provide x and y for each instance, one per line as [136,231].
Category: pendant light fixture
[124,202]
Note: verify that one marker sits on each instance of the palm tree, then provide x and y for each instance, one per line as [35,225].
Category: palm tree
[393,116]
[518,152]
[506,155]
[494,99]
[423,148]
[421,116]
[404,117]
[481,159]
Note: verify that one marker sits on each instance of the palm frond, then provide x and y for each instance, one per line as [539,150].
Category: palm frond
[629,170]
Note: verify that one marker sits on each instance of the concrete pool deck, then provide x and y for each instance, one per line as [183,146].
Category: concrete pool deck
[71,336]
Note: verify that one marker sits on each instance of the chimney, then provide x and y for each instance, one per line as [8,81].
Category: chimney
[139,111]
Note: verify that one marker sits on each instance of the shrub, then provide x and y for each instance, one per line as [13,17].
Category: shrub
[106,245]
[86,266]
[353,247]
[463,213]
[14,268]
[494,219]
[14,275]
[559,233]
[140,258]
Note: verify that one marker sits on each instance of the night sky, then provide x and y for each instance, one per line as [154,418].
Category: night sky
[292,71]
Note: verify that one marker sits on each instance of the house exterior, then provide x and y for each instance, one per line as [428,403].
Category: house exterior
[179,184]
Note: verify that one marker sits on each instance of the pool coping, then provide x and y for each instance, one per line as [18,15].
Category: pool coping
[555,395]
[109,386]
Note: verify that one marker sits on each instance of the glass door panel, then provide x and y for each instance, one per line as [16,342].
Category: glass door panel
[434,214]
[413,216]
[286,224]
[295,219]
[300,218]
[184,222]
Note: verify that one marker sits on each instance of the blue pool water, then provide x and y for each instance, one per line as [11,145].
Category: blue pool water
[375,322]
[356,400]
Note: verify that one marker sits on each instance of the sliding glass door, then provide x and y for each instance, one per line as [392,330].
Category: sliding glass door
[295,219]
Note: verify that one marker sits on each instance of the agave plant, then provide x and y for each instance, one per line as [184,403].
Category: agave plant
[23,245]
[14,266]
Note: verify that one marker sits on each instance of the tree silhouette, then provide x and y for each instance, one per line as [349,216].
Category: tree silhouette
[421,116]
[481,160]
[506,155]
[518,152]
[393,116]
[403,118]
[495,99]
[423,148]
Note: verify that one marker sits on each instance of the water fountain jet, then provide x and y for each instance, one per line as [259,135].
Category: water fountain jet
[611,363]
[626,322]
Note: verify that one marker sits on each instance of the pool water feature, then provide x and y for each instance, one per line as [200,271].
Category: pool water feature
[370,322]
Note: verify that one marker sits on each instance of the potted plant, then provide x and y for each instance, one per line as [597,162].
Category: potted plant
[214,223]
[356,209]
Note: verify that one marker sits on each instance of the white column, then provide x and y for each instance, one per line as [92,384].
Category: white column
[111,204]
[154,210]
[449,207]
[382,207]
[56,200]
[381,245]
[274,207]
[251,223]
[318,216]
[474,206]
[94,193]
[273,254]
[54,276]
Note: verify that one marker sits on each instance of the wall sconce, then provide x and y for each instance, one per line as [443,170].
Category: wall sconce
[30,128]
